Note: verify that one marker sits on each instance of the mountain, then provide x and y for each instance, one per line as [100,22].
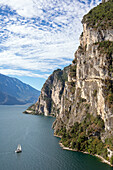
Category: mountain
[14,91]
[83,102]
[6,99]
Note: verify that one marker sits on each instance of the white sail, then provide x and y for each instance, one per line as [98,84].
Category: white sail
[19,147]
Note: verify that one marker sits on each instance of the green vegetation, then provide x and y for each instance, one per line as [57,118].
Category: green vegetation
[62,74]
[65,71]
[85,136]
[71,86]
[100,16]
[95,93]
[111,161]
[73,68]
[73,71]
[106,47]
[109,142]
[74,61]
[108,93]
[31,107]
[81,100]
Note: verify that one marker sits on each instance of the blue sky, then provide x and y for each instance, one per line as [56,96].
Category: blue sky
[39,36]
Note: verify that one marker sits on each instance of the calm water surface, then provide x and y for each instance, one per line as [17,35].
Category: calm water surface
[40,149]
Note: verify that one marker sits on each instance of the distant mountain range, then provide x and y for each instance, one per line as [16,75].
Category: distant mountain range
[14,91]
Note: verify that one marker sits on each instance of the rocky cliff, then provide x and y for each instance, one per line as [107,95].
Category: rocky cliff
[92,90]
[89,88]
[49,102]
[86,85]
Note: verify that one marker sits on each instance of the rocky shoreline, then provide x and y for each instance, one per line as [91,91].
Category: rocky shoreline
[70,149]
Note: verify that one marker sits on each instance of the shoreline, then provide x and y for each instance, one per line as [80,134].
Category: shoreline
[74,150]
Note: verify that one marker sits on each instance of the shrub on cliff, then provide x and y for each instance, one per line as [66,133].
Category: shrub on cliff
[100,16]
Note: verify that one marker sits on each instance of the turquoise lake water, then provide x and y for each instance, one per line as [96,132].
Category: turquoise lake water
[40,149]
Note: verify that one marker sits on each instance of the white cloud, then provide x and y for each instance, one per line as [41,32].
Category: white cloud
[40,35]
[22,73]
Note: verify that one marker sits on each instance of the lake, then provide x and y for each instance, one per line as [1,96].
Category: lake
[40,149]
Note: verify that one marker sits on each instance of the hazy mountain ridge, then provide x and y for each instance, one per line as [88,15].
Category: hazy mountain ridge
[14,91]
[6,99]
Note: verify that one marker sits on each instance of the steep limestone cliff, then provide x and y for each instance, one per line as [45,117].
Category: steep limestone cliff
[92,89]
[89,86]
[49,101]
[83,103]
[85,121]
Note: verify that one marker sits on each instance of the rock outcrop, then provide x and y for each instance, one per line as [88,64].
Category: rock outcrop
[92,90]
[86,85]
[81,96]
[89,87]
[49,102]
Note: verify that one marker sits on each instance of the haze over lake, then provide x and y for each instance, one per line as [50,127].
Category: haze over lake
[40,149]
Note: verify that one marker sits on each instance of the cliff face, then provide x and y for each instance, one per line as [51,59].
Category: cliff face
[88,88]
[92,90]
[49,102]
[81,96]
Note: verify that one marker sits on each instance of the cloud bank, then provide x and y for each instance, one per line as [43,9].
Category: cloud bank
[38,36]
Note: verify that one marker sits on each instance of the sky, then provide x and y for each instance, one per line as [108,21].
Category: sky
[39,36]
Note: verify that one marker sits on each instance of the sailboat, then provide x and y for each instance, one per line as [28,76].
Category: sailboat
[19,149]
